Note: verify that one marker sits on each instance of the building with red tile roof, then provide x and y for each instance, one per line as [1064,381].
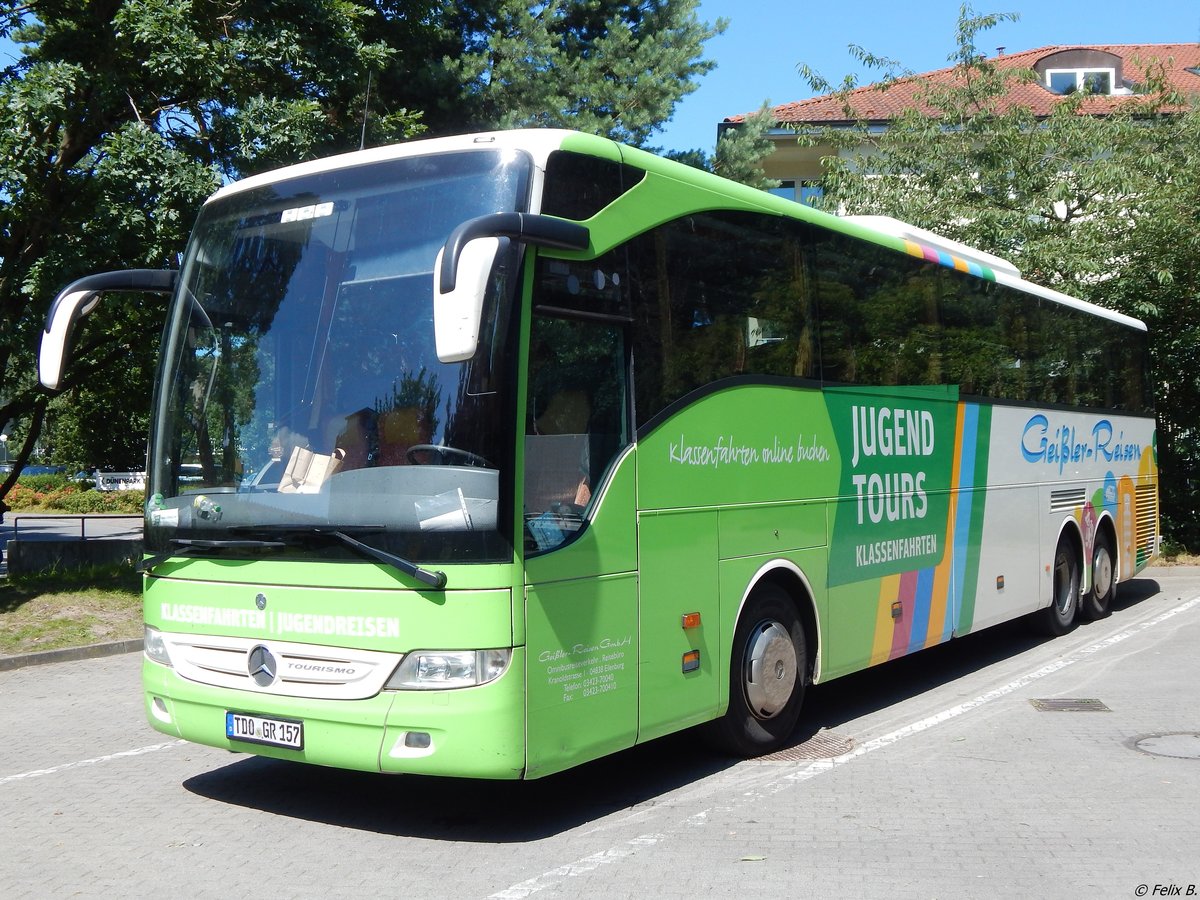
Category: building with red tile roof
[1110,74]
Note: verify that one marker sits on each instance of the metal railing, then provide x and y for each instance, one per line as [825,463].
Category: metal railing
[81,518]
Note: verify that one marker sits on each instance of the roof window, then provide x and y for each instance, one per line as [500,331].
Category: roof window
[1088,81]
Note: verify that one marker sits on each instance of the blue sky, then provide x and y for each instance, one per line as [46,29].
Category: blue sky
[758,53]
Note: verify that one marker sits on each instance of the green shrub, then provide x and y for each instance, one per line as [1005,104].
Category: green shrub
[43,484]
[1170,550]
[63,495]
[23,499]
[99,502]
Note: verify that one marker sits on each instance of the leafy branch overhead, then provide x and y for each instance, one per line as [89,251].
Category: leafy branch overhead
[1101,207]
[118,117]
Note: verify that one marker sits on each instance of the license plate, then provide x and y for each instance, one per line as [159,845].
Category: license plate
[262,730]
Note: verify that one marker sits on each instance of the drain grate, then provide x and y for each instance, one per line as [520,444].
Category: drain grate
[1070,704]
[822,745]
[1179,744]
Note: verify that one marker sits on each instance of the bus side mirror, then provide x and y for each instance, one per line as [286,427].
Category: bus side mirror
[464,265]
[458,311]
[77,300]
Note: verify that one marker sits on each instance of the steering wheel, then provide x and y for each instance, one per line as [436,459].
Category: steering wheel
[443,452]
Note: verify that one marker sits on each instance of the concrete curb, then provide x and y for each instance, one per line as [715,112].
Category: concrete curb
[69,654]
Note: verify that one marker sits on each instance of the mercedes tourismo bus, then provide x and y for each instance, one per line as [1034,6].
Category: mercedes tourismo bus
[518,449]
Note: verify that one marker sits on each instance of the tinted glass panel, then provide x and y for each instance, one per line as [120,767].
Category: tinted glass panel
[724,294]
[715,296]
[879,320]
[575,422]
[578,187]
[890,319]
[300,377]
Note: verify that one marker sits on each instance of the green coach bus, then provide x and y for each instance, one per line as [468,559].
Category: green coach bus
[487,456]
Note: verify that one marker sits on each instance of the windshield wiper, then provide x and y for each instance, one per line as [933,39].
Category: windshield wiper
[299,533]
[185,544]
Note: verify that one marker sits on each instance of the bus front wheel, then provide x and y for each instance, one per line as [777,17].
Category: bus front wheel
[1059,617]
[767,671]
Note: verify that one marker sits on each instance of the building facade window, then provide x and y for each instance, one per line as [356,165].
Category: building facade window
[806,192]
[1089,81]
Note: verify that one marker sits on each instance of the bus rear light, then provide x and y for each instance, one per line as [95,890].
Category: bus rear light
[691,661]
[431,670]
[155,647]
[691,620]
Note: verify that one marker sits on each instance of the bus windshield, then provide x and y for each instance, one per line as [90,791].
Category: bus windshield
[300,388]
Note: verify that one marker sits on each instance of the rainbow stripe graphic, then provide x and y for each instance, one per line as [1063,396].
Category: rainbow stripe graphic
[921,608]
[949,260]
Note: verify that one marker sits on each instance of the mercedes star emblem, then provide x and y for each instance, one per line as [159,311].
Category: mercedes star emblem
[262,666]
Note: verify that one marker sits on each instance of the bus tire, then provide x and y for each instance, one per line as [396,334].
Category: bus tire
[1059,617]
[1098,602]
[767,672]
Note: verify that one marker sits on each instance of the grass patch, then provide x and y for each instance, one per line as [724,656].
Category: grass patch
[69,608]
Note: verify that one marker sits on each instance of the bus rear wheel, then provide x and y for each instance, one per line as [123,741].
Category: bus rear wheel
[1098,602]
[767,672]
[1059,617]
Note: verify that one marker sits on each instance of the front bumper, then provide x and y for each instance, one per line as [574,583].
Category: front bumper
[476,732]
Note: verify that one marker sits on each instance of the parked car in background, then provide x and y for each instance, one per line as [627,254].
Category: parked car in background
[44,470]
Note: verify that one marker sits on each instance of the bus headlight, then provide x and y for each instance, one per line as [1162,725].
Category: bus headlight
[426,670]
[155,646]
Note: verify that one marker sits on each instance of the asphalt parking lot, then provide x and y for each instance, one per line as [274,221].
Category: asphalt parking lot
[1000,765]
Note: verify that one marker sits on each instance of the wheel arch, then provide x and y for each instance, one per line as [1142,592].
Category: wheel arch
[1108,525]
[791,578]
[1070,529]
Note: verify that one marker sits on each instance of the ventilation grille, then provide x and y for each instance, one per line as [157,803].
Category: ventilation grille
[1146,500]
[1067,499]
[302,670]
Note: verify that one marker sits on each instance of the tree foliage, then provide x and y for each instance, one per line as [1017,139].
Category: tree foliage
[611,67]
[741,151]
[116,121]
[1100,207]
[120,116]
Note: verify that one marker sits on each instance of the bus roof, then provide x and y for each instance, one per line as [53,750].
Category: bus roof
[541,142]
[538,142]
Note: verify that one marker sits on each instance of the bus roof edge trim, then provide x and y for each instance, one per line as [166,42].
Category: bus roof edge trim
[905,231]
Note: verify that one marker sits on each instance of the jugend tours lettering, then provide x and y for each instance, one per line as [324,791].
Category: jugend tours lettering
[884,431]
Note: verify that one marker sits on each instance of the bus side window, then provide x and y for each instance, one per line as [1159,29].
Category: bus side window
[574,422]
[718,295]
[879,315]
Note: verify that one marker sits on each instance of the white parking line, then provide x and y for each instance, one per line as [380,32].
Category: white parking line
[824,765]
[559,874]
[79,764]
